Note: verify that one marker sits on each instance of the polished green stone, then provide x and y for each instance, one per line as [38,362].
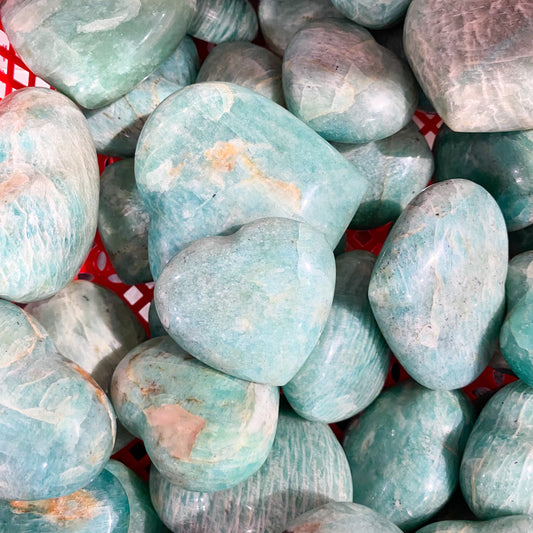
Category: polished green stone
[405,450]
[508,524]
[372,14]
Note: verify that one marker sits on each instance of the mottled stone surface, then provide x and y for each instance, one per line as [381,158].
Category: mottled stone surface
[437,290]
[500,162]
[305,469]
[521,241]
[281,19]
[90,325]
[215,155]
[343,84]
[57,427]
[477,67]
[95,52]
[508,524]
[405,450]
[497,466]
[116,127]
[49,183]
[123,223]
[397,169]
[372,14]
[203,430]
[341,517]
[348,366]
[245,64]
[268,287]
[218,21]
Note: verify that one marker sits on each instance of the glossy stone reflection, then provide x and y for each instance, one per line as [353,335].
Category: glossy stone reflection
[373,14]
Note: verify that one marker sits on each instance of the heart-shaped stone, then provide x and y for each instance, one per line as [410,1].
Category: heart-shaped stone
[252,304]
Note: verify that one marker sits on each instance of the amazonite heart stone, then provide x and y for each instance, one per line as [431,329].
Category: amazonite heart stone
[123,223]
[343,84]
[306,468]
[204,430]
[95,53]
[268,287]
[245,64]
[341,517]
[507,524]
[397,169]
[500,162]
[497,465]
[49,184]
[116,127]
[477,67]
[438,288]
[57,427]
[215,156]
[348,366]
[405,450]
[373,14]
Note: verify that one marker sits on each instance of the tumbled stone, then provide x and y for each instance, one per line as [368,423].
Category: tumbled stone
[305,469]
[218,21]
[508,524]
[95,53]
[437,290]
[245,64]
[281,19]
[348,366]
[49,184]
[497,466]
[215,156]
[500,162]
[116,127]
[396,168]
[203,430]
[123,223]
[268,287]
[477,67]
[372,14]
[91,326]
[343,84]
[57,427]
[405,451]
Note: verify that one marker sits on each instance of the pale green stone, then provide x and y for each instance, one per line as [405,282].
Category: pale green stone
[372,14]
[508,524]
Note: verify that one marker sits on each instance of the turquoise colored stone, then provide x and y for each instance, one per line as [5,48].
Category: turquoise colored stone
[508,524]
[49,184]
[497,466]
[215,156]
[268,287]
[57,427]
[438,288]
[218,21]
[521,240]
[341,517]
[397,169]
[123,223]
[281,19]
[500,162]
[95,52]
[116,127]
[91,326]
[203,430]
[372,14]
[245,64]
[348,366]
[305,469]
[405,451]
[474,61]
[343,84]
[156,328]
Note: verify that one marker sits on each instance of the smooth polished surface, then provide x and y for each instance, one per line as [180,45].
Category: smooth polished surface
[508,524]
[343,84]
[306,468]
[215,156]
[372,14]
[49,184]
[348,366]
[268,287]
[477,67]
[57,427]
[497,466]
[203,430]
[397,169]
[405,450]
[437,290]
[95,52]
